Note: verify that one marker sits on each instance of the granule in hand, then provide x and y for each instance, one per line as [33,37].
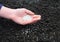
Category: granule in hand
[27,18]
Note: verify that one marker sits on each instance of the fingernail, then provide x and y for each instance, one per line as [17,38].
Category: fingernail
[39,18]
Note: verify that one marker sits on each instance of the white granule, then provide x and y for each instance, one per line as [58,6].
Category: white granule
[27,17]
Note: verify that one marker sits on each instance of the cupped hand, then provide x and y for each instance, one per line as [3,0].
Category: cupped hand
[19,13]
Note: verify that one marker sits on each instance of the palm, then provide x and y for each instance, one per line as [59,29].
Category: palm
[22,12]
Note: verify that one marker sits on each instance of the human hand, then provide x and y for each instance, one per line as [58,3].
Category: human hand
[16,15]
[19,13]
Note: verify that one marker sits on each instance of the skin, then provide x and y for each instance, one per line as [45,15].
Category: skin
[17,14]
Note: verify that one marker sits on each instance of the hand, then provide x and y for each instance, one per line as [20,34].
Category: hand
[19,13]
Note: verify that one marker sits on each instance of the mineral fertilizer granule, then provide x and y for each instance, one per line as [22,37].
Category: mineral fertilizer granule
[27,18]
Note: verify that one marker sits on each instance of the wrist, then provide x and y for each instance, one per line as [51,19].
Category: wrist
[6,12]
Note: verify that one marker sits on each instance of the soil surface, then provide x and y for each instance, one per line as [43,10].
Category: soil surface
[45,30]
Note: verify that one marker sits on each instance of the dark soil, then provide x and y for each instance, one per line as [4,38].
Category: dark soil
[45,30]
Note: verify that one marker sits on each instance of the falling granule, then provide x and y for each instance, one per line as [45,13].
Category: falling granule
[27,17]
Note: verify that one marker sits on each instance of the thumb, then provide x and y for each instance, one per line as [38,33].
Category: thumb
[29,12]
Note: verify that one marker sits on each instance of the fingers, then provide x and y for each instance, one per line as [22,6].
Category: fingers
[29,12]
[37,16]
[34,20]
